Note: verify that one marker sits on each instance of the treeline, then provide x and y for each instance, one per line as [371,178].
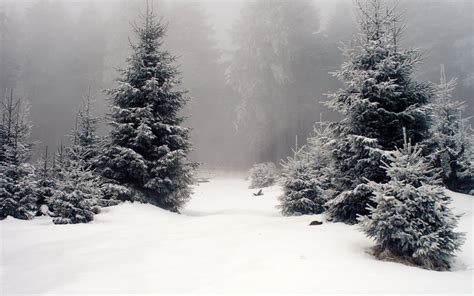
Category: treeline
[263,89]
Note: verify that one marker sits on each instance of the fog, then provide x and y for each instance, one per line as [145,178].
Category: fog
[52,52]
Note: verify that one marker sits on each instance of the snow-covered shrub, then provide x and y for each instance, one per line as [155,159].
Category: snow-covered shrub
[76,200]
[305,176]
[411,219]
[18,191]
[346,206]
[263,175]
[113,194]
[302,190]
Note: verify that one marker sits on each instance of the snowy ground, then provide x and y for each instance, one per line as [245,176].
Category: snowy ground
[226,240]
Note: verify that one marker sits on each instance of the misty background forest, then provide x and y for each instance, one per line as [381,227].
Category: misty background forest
[256,74]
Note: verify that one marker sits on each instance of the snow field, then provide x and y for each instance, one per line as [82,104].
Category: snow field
[226,240]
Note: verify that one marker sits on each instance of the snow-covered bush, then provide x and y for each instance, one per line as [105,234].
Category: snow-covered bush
[411,220]
[263,175]
[113,194]
[76,200]
[346,206]
[18,191]
[302,190]
[305,177]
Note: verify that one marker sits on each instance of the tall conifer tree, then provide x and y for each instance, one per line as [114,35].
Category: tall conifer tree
[379,97]
[148,149]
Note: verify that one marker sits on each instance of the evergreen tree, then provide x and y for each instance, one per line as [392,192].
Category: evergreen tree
[81,190]
[46,182]
[450,139]
[17,177]
[85,140]
[354,158]
[379,97]
[305,181]
[412,220]
[76,198]
[148,146]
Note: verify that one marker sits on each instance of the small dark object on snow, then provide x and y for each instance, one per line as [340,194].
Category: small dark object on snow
[260,192]
[315,222]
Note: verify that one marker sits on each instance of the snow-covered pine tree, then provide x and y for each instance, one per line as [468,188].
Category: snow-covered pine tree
[86,142]
[79,193]
[46,183]
[354,158]
[59,162]
[450,139]
[17,177]
[76,198]
[412,221]
[148,149]
[380,96]
[305,176]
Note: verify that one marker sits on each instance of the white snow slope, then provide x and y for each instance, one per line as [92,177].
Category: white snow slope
[225,241]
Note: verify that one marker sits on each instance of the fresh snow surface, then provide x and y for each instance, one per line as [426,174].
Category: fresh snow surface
[226,240]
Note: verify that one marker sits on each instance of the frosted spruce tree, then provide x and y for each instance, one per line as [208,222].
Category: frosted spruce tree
[147,156]
[76,197]
[305,182]
[451,138]
[17,177]
[46,182]
[380,96]
[80,190]
[412,221]
[86,142]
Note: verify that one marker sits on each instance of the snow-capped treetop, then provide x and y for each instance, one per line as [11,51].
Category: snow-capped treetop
[380,94]
[407,165]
